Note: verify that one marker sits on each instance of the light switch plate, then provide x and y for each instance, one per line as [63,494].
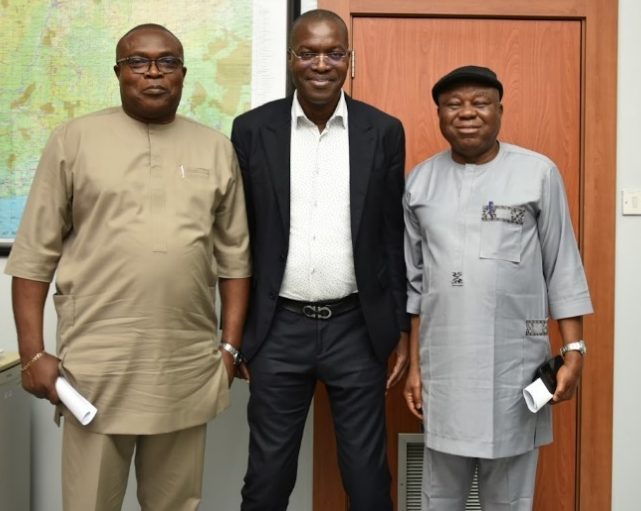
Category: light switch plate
[631,202]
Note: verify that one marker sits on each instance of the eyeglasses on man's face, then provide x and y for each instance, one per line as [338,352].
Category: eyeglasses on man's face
[331,57]
[142,65]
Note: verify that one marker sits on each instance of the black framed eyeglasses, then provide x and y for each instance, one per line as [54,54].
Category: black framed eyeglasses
[142,65]
[331,57]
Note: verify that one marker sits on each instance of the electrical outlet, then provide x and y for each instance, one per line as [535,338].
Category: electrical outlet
[631,202]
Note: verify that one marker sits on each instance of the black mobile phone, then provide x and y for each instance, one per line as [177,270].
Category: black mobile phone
[547,372]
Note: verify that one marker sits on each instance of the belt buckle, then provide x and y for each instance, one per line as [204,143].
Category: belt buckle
[317,311]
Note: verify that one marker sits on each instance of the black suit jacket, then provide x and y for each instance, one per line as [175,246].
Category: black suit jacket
[261,138]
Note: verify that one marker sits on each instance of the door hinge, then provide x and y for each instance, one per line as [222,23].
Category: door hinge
[353,63]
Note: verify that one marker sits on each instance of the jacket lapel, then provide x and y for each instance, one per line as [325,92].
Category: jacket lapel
[276,139]
[362,143]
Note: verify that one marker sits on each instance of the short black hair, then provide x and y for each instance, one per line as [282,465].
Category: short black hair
[144,26]
[318,15]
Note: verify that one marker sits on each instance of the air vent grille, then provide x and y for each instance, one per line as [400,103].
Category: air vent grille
[410,475]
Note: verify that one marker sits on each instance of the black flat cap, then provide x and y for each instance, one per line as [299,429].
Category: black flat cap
[474,74]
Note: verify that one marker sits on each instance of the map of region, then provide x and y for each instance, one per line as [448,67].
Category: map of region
[57,62]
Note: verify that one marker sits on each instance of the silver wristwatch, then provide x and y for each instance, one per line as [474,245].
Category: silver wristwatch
[574,346]
[233,351]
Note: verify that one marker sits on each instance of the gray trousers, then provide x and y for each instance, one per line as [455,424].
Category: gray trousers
[505,484]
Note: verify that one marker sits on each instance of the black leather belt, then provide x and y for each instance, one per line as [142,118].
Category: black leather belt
[320,310]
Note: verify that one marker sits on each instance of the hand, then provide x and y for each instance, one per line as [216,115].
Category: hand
[413,391]
[40,378]
[234,371]
[230,367]
[242,372]
[567,379]
[402,361]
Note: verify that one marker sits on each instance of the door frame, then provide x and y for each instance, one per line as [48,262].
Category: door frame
[599,19]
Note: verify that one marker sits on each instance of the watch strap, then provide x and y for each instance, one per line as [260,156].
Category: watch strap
[233,351]
[574,346]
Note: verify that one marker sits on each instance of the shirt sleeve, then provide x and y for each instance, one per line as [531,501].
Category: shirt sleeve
[568,293]
[47,218]
[231,235]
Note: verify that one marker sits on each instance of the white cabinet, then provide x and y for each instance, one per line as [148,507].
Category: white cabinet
[15,441]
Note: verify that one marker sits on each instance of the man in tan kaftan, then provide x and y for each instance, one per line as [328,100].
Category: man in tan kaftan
[140,213]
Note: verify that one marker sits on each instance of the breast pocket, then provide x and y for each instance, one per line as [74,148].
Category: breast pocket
[194,195]
[501,232]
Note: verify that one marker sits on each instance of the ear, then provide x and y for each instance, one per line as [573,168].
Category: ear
[117,70]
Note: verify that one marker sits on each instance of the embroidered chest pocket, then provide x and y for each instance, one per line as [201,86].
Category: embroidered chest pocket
[501,232]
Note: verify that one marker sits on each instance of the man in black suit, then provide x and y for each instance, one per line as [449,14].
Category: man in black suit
[324,179]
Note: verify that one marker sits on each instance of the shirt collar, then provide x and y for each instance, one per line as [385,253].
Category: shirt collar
[339,116]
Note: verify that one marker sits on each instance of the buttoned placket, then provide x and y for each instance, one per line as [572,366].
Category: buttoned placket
[315,221]
[158,200]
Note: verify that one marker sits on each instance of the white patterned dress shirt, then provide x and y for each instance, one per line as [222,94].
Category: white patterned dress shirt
[320,261]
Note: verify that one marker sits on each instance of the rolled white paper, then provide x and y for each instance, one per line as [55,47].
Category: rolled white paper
[82,409]
[536,395]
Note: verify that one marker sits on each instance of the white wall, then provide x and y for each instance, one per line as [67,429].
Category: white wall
[308,5]
[627,402]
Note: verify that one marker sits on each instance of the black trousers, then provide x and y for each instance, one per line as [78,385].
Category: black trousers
[298,352]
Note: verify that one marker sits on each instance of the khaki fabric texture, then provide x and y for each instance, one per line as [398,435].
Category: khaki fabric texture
[138,221]
[169,469]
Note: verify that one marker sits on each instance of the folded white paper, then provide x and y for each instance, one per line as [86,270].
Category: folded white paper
[536,395]
[82,409]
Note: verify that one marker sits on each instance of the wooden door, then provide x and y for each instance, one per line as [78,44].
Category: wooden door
[541,63]
[397,60]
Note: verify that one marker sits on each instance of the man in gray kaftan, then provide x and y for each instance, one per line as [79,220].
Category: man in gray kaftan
[490,255]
